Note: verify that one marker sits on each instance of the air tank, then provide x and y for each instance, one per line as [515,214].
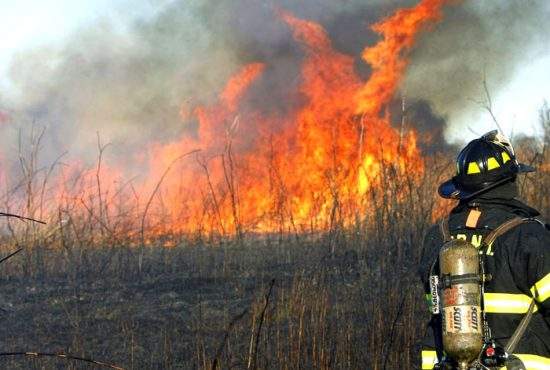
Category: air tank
[460,281]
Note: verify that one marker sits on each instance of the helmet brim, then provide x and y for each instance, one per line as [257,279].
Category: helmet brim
[450,189]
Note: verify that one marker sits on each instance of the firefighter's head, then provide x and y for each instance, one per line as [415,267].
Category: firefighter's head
[483,164]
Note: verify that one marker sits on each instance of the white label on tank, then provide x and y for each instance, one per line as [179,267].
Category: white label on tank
[462,319]
[434,289]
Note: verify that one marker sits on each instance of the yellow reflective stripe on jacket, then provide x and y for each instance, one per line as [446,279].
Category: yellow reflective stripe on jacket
[534,362]
[531,362]
[507,303]
[429,359]
[541,289]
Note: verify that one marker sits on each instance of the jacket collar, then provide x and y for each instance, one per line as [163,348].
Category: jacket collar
[503,197]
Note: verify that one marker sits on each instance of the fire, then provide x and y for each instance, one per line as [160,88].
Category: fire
[237,85]
[386,57]
[294,173]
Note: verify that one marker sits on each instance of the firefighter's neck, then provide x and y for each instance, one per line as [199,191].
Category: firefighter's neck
[506,191]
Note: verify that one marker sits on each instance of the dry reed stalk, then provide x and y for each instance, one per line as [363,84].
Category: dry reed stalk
[150,200]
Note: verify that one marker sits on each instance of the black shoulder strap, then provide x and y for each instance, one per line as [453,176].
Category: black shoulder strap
[444,229]
[493,235]
[520,330]
[504,228]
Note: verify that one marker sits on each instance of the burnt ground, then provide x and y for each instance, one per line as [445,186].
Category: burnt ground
[202,307]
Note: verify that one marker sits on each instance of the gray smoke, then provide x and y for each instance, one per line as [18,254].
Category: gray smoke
[130,84]
[479,40]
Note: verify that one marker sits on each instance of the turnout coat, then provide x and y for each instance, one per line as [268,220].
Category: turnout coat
[519,263]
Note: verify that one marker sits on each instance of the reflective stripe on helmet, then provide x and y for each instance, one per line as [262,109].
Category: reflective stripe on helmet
[541,289]
[492,163]
[429,359]
[473,168]
[505,157]
[507,303]
[534,362]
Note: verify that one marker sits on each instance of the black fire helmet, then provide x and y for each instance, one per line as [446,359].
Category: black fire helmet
[483,164]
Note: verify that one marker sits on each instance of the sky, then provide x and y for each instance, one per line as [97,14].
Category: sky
[516,106]
[27,25]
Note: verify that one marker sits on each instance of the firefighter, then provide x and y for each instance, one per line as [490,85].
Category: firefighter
[517,263]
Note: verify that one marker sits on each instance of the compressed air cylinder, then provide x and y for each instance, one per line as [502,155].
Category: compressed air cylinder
[461,301]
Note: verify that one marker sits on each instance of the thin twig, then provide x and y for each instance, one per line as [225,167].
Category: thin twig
[61,355]
[392,331]
[10,255]
[223,343]
[489,105]
[21,217]
[159,183]
[204,165]
[148,204]
[101,148]
[252,363]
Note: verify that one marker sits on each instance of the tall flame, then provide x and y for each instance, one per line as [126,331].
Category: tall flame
[269,173]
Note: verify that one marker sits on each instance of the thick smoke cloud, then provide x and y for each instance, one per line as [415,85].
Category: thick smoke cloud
[479,40]
[131,85]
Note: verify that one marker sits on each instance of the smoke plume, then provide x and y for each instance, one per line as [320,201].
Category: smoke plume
[479,40]
[140,83]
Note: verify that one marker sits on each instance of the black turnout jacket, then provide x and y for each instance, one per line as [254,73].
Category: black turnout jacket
[519,263]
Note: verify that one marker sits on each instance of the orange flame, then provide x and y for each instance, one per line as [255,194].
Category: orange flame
[292,173]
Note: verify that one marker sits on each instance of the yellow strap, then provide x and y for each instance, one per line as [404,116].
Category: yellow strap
[507,303]
[531,362]
[534,362]
[429,359]
[541,289]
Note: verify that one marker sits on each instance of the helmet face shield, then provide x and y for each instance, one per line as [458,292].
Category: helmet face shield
[482,165]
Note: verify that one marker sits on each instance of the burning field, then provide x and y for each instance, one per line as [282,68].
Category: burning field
[243,169]
[261,220]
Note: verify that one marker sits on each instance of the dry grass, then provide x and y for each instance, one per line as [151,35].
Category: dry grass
[347,297]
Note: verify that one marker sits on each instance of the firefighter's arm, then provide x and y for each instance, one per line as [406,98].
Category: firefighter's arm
[534,264]
[540,273]
[428,352]
[430,248]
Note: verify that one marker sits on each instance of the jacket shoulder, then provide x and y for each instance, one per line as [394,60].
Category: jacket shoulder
[529,235]
[531,227]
